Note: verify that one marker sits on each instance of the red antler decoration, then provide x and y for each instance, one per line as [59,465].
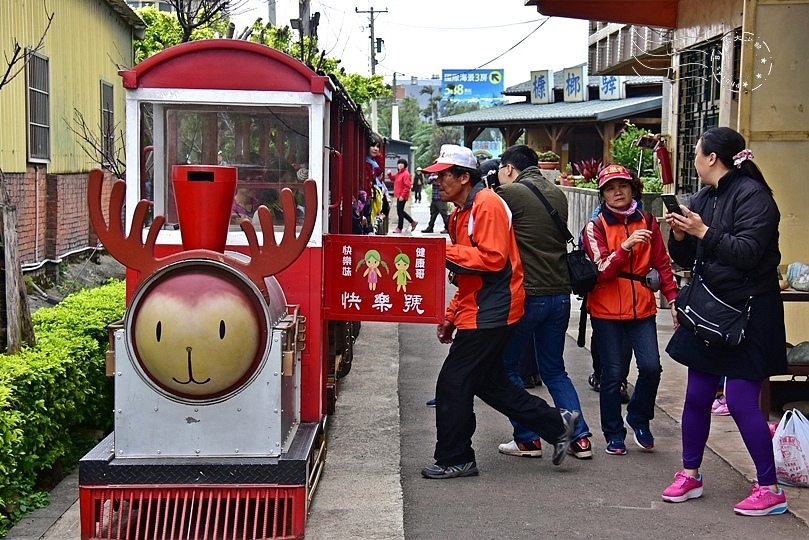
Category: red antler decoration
[139,255]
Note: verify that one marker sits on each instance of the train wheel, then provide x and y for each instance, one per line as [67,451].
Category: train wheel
[355,330]
[334,347]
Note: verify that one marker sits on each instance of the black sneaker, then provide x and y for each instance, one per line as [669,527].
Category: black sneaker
[624,393]
[581,449]
[562,444]
[431,403]
[528,382]
[427,230]
[442,472]
[594,382]
[445,231]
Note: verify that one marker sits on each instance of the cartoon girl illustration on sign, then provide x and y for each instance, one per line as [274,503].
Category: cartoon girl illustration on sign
[372,260]
[401,276]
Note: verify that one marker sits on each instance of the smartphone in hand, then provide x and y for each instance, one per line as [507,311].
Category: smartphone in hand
[672,204]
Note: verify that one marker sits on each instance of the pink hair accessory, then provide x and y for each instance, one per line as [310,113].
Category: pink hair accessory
[742,156]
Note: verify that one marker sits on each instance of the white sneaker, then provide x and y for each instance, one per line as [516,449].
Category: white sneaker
[529,449]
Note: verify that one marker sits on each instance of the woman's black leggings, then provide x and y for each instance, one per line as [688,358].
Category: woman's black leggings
[400,211]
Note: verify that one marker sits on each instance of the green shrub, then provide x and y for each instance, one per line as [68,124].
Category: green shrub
[624,152]
[652,184]
[52,391]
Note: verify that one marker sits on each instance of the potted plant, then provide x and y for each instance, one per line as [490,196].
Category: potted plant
[588,168]
[566,177]
[548,160]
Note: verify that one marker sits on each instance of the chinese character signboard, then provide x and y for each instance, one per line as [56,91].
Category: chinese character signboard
[574,83]
[611,87]
[487,149]
[482,86]
[542,86]
[388,279]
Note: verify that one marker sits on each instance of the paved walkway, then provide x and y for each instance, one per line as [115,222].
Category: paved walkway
[360,494]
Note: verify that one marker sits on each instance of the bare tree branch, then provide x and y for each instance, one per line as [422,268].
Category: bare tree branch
[191,14]
[20,56]
[92,144]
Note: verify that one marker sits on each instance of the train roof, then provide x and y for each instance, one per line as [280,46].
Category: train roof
[225,64]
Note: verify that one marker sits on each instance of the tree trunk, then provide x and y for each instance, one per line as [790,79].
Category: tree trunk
[20,329]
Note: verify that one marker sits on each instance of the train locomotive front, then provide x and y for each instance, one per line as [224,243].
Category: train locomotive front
[224,373]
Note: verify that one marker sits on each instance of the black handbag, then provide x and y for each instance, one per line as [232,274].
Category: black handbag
[717,323]
[583,272]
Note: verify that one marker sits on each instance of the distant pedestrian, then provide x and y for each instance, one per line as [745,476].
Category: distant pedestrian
[485,265]
[543,327]
[377,190]
[625,243]
[732,227]
[401,190]
[418,184]
[438,207]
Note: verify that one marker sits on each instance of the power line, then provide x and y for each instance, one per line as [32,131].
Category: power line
[448,29]
[443,28]
[515,45]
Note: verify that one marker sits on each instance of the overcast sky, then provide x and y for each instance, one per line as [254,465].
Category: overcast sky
[422,37]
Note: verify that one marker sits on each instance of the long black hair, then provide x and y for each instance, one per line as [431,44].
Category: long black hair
[726,143]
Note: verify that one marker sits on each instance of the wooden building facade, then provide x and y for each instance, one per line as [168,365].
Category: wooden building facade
[74,70]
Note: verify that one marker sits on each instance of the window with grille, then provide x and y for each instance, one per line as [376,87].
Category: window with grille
[107,124]
[699,104]
[38,107]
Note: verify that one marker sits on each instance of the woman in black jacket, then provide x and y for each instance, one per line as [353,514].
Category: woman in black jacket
[734,219]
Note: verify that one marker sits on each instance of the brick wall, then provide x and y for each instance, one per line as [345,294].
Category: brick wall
[52,216]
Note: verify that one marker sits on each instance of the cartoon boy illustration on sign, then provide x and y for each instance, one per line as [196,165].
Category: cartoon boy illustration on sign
[401,276]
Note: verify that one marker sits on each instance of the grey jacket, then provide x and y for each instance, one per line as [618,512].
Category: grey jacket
[542,246]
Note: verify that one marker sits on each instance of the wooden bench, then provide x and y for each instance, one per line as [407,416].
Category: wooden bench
[795,370]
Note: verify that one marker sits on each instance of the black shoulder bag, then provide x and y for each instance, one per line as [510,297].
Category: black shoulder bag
[700,311]
[583,272]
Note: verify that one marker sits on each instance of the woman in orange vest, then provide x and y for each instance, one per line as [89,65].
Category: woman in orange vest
[626,245]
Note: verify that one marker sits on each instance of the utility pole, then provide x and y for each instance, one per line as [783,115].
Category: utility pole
[271,15]
[374,45]
[303,15]
[394,115]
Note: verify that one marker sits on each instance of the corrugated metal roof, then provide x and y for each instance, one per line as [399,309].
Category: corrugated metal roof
[594,109]
[127,13]
[524,88]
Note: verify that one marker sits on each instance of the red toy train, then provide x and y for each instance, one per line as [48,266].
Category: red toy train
[243,285]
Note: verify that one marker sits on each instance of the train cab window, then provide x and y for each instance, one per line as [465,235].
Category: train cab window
[269,146]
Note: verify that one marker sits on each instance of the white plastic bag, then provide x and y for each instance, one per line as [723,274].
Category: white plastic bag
[791,449]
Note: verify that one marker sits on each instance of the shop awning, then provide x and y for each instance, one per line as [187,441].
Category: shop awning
[659,13]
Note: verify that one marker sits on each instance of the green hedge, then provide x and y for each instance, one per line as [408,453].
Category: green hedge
[51,393]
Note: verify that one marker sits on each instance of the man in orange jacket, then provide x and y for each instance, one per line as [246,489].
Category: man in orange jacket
[485,266]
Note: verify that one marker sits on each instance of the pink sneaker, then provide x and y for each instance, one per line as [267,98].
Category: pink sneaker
[722,410]
[397,230]
[762,502]
[717,403]
[413,225]
[683,488]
